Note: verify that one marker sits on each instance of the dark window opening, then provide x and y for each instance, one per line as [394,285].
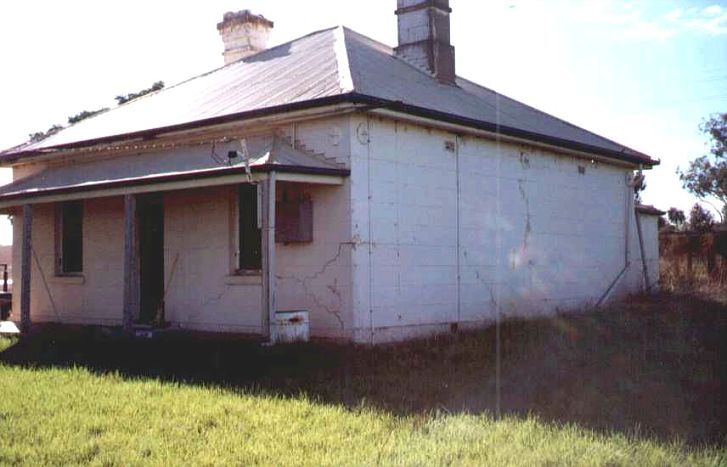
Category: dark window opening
[249,237]
[70,260]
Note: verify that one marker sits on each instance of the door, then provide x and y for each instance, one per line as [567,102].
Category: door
[151,258]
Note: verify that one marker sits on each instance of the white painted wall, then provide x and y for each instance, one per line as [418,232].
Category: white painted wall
[202,294]
[317,276]
[526,232]
[650,234]
[421,236]
[650,226]
[95,298]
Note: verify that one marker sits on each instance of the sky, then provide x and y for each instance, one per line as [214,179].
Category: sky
[643,73]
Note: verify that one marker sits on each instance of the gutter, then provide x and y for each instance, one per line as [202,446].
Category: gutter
[356,99]
[498,129]
[224,175]
[304,107]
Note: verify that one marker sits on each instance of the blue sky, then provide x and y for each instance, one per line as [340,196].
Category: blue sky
[644,73]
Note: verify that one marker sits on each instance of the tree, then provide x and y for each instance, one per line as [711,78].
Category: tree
[676,217]
[706,176]
[700,220]
[639,187]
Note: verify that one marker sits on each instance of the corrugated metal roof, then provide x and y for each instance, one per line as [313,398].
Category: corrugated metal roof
[264,153]
[329,64]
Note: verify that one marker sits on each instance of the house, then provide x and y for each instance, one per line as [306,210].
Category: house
[369,186]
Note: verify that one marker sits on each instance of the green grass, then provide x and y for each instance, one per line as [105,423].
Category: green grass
[639,384]
[6,342]
[71,416]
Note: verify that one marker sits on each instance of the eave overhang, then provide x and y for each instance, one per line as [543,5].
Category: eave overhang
[358,101]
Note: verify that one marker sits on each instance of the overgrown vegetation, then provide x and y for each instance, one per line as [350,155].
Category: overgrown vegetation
[41,135]
[123,99]
[694,261]
[83,115]
[639,384]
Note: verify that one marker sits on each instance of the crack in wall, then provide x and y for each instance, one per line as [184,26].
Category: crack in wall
[334,311]
[320,302]
[493,300]
[528,225]
[215,298]
[524,253]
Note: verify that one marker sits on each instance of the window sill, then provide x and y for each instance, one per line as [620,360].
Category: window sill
[69,280]
[245,278]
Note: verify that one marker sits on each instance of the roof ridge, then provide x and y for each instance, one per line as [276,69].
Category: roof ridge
[340,48]
[390,50]
[249,57]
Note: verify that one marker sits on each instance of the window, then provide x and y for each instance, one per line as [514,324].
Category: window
[249,238]
[69,249]
[294,219]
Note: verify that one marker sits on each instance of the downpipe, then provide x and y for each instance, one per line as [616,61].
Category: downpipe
[639,181]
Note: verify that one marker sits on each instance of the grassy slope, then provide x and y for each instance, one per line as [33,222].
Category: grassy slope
[70,416]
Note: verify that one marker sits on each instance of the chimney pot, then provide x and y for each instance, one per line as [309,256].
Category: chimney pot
[243,34]
[424,37]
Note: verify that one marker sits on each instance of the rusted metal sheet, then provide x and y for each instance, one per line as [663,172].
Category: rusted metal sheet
[333,65]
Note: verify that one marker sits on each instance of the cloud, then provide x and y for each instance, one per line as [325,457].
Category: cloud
[714,10]
[634,22]
[712,20]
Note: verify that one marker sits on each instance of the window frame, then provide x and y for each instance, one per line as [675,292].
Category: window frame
[62,247]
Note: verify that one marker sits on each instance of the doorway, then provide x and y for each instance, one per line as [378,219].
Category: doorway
[150,210]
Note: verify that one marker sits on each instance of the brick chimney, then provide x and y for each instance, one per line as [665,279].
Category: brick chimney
[243,34]
[424,37]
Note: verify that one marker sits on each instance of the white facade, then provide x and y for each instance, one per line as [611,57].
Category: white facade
[459,229]
[432,228]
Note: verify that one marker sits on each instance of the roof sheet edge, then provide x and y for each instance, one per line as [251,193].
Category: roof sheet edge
[354,98]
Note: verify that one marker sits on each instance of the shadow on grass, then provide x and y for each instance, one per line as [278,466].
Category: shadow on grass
[653,367]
